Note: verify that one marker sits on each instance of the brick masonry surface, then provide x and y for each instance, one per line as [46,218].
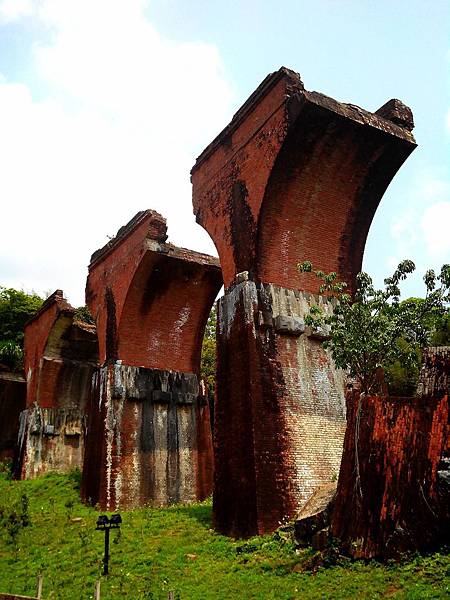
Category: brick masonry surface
[61,357]
[394,486]
[13,392]
[147,442]
[285,426]
[435,374]
[150,439]
[294,176]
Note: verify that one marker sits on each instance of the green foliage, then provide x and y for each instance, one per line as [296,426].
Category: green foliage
[16,307]
[82,313]
[11,354]
[441,332]
[75,476]
[402,379]
[13,518]
[208,357]
[160,550]
[374,329]
[6,468]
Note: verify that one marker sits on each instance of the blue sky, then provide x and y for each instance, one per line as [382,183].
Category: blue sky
[105,104]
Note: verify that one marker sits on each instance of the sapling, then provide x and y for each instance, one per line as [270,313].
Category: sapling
[366,327]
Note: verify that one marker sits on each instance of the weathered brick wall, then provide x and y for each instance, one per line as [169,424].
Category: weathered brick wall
[12,403]
[294,176]
[52,431]
[36,335]
[390,498]
[152,432]
[60,359]
[434,377]
[284,408]
[149,438]
[112,269]
[150,299]
[297,175]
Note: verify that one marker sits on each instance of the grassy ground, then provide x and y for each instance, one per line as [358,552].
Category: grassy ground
[174,549]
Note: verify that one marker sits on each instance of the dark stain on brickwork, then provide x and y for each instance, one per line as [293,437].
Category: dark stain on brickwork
[147,438]
[235,508]
[12,402]
[161,276]
[272,373]
[111,326]
[243,228]
[172,463]
[389,499]
[94,448]
[380,161]
[158,282]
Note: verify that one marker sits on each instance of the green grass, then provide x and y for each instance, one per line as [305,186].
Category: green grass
[175,549]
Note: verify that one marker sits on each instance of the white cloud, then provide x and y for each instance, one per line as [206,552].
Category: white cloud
[12,10]
[420,230]
[435,225]
[404,233]
[127,113]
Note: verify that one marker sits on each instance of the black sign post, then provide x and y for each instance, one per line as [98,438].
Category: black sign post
[105,524]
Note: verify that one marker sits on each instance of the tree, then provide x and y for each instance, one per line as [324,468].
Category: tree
[208,357]
[16,307]
[441,332]
[373,328]
[402,379]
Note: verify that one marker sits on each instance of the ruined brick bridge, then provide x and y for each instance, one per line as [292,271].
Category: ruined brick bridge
[294,176]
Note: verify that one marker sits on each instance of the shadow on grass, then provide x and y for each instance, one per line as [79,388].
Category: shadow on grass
[202,513]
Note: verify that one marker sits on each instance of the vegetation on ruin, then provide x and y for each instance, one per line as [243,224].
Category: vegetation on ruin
[208,357]
[375,329]
[16,307]
[159,550]
[83,314]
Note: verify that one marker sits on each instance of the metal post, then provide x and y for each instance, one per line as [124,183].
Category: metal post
[106,558]
[39,587]
[105,524]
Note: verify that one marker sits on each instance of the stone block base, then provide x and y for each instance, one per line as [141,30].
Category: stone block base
[149,439]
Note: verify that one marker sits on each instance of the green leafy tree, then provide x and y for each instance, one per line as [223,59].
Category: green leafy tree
[11,354]
[441,331]
[402,379]
[373,328]
[208,357]
[16,307]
